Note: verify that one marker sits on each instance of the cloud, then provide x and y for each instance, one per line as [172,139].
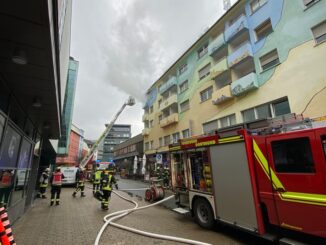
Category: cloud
[123,47]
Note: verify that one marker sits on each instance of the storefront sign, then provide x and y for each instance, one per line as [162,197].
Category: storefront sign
[199,142]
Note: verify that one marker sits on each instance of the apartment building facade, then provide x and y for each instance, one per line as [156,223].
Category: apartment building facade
[261,59]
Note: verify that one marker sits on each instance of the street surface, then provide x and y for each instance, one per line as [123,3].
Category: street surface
[78,220]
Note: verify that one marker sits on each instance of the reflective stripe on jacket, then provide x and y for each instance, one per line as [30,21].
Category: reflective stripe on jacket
[106,179]
[97,177]
[57,178]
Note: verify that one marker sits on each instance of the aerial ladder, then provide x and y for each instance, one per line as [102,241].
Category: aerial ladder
[84,161]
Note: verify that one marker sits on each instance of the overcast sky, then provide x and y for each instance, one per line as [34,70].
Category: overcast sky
[125,46]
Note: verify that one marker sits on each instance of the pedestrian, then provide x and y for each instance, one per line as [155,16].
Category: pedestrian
[80,182]
[6,185]
[107,179]
[56,183]
[44,180]
[96,179]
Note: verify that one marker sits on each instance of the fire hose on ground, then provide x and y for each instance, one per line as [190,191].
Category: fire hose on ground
[108,219]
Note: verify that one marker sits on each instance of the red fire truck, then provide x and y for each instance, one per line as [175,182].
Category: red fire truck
[265,174]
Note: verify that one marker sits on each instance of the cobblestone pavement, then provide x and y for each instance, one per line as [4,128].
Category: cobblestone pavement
[77,221]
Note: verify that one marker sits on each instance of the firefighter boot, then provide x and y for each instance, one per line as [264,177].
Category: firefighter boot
[57,202]
[74,194]
[52,202]
[43,196]
[82,194]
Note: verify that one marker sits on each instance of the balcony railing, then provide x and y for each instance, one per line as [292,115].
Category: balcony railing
[146,131]
[216,44]
[169,101]
[240,54]
[167,85]
[244,84]
[235,28]
[222,95]
[145,117]
[173,118]
[219,68]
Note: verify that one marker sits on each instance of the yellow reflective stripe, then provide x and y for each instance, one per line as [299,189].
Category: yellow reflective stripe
[307,198]
[298,197]
[291,226]
[230,139]
[264,164]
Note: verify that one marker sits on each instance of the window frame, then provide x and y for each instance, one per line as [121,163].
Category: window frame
[262,26]
[183,103]
[209,91]
[229,120]
[208,66]
[202,51]
[264,66]
[323,35]
[183,86]
[259,5]
[183,133]
[183,68]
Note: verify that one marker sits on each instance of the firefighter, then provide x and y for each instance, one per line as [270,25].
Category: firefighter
[6,185]
[56,183]
[107,179]
[80,182]
[44,180]
[96,179]
[166,177]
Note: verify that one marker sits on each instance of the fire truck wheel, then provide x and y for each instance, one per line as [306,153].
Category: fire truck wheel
[203,213]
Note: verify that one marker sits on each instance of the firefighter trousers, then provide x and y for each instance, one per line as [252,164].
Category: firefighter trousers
[80,186]
[105,201]
[42,192]
[55,194]
[96,187]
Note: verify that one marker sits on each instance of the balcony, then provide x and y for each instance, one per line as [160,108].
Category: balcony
[237,27]
[244,84]
[146,131]
[169,101]
[216,44]
[173,118]
[240,54]
[167,85]
[222,95]
[145,117]
[219,68]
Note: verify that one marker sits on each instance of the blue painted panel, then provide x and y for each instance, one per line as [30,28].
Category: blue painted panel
[241,53]
[272,10]
[168,84]
[244,84]
[151,98]
[237,26]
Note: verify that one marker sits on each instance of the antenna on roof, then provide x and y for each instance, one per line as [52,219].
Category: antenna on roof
[226,5]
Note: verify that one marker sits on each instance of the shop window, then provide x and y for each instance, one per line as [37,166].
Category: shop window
[269,60]
[263,30]
[293,156]
[204,72]
[19,186]
[6,185]
[319,32]
[24,156]
[201,171]
[9,148]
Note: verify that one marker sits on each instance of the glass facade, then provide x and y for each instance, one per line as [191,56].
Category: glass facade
[68,105]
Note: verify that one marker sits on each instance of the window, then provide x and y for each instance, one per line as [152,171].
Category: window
[184,106]
[161,141]
[256,4]
[183,86]
[202,51]
[281,108]
[185,133]
[151,144]
[206,94]
[227,121]
[151,123]
[269,60]
[204,72]
[272,109]
[235,19]
[210,127]
[175,137]
[166,140]
[183,68]
[319,32]
[146,146]
[151,109]
[263,29]
[293,156]
[308,3]
[323,142]
[160,117]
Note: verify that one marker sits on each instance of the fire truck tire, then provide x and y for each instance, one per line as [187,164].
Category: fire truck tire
[203,213]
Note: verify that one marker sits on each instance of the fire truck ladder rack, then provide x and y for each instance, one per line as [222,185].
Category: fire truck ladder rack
[84,161]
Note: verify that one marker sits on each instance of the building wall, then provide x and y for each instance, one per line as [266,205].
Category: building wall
[298,77]
[69,99]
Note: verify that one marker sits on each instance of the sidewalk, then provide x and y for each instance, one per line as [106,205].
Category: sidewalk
[74,221]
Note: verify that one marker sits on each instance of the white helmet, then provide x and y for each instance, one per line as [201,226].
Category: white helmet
[47,170]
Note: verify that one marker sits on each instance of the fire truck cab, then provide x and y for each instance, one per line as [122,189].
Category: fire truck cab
[272,174]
